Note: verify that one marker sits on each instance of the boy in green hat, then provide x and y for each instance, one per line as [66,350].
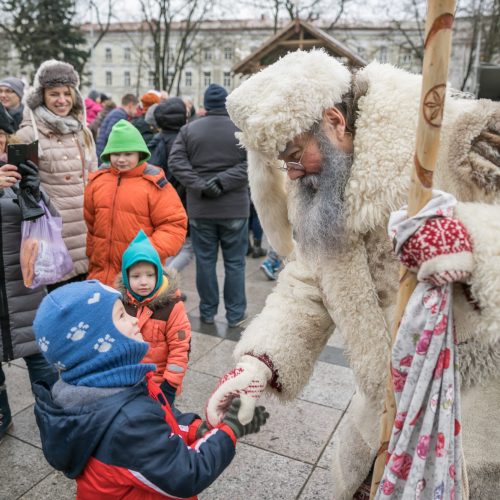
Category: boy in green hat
[125,195]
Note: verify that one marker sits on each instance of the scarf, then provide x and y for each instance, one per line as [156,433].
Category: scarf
[424,455]
[59,124]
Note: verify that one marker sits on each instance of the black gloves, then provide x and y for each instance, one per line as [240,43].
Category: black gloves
[231,420]
[169,392]
[213,188]
[29,194]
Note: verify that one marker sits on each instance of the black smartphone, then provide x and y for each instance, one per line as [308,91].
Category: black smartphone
[20,153]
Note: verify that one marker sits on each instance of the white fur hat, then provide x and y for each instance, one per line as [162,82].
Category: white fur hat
[287,98]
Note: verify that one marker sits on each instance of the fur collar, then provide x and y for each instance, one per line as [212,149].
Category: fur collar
[158,302]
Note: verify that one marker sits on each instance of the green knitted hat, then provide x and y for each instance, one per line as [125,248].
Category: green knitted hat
[125,138]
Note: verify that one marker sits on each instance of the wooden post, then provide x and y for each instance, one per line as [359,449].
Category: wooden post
[437,48]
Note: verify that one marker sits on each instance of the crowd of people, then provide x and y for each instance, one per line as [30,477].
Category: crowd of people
[125,180]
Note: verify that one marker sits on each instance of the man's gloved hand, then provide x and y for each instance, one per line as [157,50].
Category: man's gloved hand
[246,381]
[29,194]
[440,251]
[231,419]
[213,188]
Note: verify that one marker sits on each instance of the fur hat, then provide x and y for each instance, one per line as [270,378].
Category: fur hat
[287,98]
[53,73]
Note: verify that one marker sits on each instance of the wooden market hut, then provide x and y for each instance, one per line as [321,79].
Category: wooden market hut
[297,34]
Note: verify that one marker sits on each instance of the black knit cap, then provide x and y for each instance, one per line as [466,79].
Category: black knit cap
[6,121]
[171,114]
[215,97]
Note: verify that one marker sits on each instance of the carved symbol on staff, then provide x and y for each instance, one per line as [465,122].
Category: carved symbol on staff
[434,105]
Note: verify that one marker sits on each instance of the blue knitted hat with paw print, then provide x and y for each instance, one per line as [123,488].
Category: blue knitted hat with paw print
[75,332]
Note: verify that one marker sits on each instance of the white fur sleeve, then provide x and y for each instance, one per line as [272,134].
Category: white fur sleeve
[291,330]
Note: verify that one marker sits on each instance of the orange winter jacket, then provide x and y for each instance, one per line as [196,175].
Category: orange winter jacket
[118,204]
[164,324]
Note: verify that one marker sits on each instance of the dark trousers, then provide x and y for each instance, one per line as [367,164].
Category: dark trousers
[232,235]
[38,369]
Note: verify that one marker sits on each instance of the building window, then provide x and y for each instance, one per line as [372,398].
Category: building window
[383,54]
[126,79]
[109,78]
[108,54]
[207,54]
[151,79]
[189,79]
[207,78]
[127,54]
[151,53]
[170,77]
[405,57]
[227,79]
[228,53]
[361,52]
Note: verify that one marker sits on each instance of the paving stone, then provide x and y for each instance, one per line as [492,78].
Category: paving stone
[318,486]
[298,429]
[25,427]
[257,474]
[201,344]
[21,467]
[326,459]
[54,487]
[18,388]
[218,361]
[330,385]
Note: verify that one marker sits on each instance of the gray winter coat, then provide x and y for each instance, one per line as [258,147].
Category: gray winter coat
[208,148]
[18,304]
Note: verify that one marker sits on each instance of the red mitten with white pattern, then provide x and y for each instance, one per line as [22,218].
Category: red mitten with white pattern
[440,251]
[246,381]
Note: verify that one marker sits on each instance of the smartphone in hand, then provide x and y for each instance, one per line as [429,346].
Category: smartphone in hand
[20,153]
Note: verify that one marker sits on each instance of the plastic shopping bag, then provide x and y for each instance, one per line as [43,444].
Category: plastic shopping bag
[44,256]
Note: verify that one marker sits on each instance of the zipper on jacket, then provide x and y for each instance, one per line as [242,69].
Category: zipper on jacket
[8,352]
[112,224]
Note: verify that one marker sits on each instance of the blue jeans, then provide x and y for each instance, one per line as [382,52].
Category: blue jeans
[38,369]
[232,234]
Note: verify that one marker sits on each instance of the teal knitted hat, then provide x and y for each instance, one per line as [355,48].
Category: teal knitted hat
[124,138]
[141,250]
[75,332]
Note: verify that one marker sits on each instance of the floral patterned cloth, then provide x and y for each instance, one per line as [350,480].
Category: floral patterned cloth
[424,459]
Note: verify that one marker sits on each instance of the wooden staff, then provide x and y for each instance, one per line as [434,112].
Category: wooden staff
[437,48]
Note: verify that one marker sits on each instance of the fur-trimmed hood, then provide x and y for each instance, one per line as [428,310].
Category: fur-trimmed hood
[53,73]
[161,300]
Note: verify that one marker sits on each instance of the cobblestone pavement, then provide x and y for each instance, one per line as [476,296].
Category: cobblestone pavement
[289,459]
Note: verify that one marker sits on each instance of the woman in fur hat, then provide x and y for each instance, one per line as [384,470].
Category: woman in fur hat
[55,116]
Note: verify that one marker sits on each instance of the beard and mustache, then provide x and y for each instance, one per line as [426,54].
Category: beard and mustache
[318,211]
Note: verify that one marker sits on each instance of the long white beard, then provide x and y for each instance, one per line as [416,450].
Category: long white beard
[317,203]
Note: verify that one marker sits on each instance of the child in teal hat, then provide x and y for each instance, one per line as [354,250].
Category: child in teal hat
[152,296]
[127,194]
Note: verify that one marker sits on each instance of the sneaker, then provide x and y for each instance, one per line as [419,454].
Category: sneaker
[267,268]
[207,321]
[237,323]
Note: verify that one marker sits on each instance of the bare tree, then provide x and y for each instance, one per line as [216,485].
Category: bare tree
[173,26]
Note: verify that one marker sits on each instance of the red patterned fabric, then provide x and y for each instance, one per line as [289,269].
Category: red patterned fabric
[441,249]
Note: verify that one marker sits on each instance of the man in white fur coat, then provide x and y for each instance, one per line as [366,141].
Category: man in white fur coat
[347,143]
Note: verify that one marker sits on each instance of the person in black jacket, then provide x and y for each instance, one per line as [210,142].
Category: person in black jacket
[18,304]
[170,115]
[206,159]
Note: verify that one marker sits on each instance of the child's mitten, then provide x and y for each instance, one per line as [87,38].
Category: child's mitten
[440,251]
[231,419]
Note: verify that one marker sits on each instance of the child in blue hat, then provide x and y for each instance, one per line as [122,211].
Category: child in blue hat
[152,296]
[105,422]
